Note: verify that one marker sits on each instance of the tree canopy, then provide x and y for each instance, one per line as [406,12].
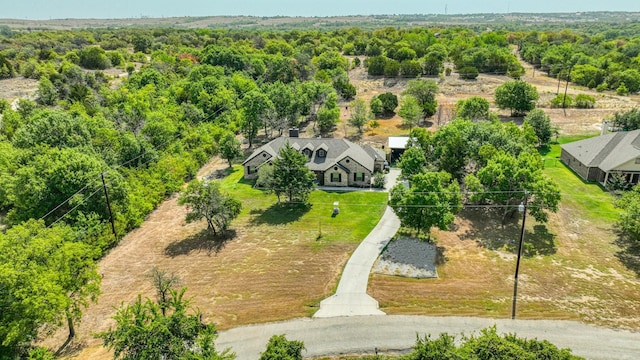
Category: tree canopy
[517,96]
[432,199]
[47,278]
[291,176]
[206,200]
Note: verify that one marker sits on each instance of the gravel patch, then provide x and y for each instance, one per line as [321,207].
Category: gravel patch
[409,258]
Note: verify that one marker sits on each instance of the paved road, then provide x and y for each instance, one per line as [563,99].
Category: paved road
[363,334]
[351,298]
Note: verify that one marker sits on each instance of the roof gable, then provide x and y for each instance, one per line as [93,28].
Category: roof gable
[336,149]
[608,151]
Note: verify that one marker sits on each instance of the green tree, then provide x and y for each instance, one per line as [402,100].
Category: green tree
[376,65]
[94,58]
[412,162]
[507,179]
[389,102]
[468,72]
[517,96]
[142,43]
[431,200]
[229,148]
[47,278]
[56,175]
[47,94]
[279,348]
[541,124]
[256,107]
[474,108]
[328,115]
[359,114]
[376,106]
[205,200]
[53,128]
[291,176]
[143,332]
[424,90]
[285,106]
[629,222]
[627,121]
[410,111]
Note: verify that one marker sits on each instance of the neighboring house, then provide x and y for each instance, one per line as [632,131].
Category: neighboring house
[595,159]
[397,146]
[336,162]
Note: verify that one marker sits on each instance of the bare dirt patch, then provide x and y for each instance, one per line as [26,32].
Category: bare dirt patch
[17,87]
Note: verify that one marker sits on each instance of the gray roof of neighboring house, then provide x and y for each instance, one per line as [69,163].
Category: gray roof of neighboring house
[608,151]
[337,149]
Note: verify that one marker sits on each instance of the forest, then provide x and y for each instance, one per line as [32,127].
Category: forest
[130,115]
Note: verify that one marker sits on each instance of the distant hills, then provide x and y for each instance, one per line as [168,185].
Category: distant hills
[369,21]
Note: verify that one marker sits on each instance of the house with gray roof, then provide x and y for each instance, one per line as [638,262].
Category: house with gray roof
[336,162]
[595,159]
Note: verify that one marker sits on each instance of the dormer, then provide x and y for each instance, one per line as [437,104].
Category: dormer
[321,152]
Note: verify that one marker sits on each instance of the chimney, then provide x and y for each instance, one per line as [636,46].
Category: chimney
[605,128]
[293,132]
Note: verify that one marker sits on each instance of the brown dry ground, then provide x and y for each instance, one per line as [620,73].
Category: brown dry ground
[261,276]
[576,274]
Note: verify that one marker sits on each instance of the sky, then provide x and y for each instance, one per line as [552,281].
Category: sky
[61,9]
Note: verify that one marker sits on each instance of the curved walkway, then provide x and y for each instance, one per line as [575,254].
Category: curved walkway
[365,334]
[351,298]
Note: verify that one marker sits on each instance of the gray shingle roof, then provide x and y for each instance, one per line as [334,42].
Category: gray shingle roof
[608,151]
[337,149]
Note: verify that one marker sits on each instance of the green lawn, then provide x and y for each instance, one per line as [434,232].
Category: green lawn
[594,202]
[359,211]
[552,151]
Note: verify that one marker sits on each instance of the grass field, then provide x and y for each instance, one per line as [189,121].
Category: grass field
[571,269]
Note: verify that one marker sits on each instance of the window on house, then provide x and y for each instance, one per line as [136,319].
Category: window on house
[358,176]
[251,169]
[322,153]
[307,153]
[336,177]
[637,160]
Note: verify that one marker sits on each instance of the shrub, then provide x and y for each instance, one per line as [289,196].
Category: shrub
[583,101]
[468,73]
[379,180]
[622,90]
[560,101]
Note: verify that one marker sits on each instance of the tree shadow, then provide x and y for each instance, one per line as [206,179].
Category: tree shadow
[486,229]
[279,213]
[220,173]
[202,241]
[518,120]
[70,348]
[629,253]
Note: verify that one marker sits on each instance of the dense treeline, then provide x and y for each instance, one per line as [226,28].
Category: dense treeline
[604,61]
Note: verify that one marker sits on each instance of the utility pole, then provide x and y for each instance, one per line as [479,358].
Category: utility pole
[106,196]
[564,99]
[523,208]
